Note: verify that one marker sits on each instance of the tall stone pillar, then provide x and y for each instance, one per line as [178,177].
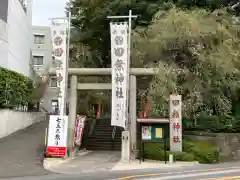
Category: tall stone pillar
[133,114]
[72,112]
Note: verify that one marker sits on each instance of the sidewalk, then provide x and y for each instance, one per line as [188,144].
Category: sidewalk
[95,161]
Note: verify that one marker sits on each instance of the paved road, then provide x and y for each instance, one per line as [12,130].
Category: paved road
[227,171]
[21,154]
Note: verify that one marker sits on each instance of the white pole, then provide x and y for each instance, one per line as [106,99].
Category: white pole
[128,67]
[69,33]
[68,55]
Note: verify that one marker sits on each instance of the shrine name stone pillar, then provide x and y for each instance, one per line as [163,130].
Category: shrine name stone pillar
[133,114]
[72,112]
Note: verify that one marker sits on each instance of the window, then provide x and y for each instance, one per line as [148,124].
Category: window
[37,60]
[39,39]
[53,82]
[54,104]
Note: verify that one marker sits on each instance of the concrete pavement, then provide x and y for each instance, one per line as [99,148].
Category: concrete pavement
[98,161]
[21,153]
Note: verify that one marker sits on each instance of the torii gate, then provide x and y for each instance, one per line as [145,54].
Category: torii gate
[74,86]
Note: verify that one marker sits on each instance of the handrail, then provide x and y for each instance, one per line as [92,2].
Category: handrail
[114,132]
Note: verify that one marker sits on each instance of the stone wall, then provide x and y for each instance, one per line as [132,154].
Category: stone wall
[227,143]
[12,121]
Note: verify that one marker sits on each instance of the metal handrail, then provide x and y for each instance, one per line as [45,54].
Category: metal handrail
[114,132]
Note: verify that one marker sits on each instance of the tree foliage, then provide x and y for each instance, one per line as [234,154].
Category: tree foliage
[14,89]
[92,26]
[194,44]
[197,54]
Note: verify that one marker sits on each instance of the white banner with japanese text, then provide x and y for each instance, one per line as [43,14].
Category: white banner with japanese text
[175,123]
[57,136]
[59,39]
[119,59]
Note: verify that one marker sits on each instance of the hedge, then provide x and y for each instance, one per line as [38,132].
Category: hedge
[15,89]
[200,151]
[207,123]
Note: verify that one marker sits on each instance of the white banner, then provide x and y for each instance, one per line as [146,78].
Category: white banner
[57,131]
[59,39]
[175,123]
[119,56]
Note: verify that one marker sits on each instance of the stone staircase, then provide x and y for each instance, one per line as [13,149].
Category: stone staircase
[101,138]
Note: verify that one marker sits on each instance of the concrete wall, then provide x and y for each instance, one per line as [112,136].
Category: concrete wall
[227,143]
[4,10]
[15,37]
[3,44]
[19,38]
[12,121]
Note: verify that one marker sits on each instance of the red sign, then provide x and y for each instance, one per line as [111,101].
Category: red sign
[175,114]
[176,139]
[79,129]
[56,151]
[176,126]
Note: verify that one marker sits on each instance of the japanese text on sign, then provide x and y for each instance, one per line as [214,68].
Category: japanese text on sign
[57,135]
[175,123]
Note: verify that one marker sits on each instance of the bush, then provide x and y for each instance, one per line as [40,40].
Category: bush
[214,124]
[200,151]
[203,152]
[14,89]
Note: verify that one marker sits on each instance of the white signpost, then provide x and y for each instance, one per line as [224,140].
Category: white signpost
[57,136]
[175,123]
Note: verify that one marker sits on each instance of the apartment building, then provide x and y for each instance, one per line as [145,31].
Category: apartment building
[43,61]
[15,35]
[41,49]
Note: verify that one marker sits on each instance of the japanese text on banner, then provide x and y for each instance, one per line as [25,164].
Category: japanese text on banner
[59,39]
[119,57]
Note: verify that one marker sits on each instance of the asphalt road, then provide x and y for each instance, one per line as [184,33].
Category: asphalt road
[226,171]
[21,153]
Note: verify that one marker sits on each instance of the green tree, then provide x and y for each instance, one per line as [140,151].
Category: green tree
[92,25]
[197,53]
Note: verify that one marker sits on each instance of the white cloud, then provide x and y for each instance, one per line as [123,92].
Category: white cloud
[45,9]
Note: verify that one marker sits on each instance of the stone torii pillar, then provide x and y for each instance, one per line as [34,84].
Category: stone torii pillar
[72,112]
[133,114]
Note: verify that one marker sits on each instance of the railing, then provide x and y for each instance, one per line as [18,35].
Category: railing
[113,135]
[114,132]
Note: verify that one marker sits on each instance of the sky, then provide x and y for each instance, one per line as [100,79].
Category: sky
[45,9]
